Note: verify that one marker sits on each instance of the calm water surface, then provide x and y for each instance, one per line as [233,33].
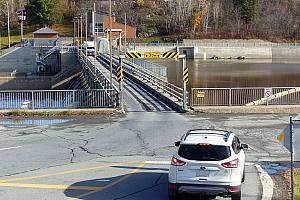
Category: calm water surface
[236,73]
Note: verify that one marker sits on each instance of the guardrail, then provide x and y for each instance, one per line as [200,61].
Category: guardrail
[156,68]
[96,75]
[57,99]
[243,96]
[151,78]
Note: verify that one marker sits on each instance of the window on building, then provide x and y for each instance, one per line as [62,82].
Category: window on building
[99,28]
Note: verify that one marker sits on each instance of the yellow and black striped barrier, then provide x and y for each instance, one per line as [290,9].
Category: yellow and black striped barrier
[120,76]
[185,75]
[171,55]
[133,55]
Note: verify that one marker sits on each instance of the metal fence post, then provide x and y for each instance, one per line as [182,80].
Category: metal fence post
[230,97]
[32,100]
[184,85]
[292,159]
[73,99]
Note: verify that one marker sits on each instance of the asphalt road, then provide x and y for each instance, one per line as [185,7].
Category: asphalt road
[42,155]
[107,157]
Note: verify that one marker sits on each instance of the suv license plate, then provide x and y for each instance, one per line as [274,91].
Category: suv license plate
[202,173]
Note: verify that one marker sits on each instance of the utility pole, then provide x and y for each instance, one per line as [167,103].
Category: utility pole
[86,32]
[292,159]
[125,49]
[80,34]
[110,46]
[74,32]
[8,22]
[95,36]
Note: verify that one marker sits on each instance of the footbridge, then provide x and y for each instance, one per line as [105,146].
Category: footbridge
[145,88]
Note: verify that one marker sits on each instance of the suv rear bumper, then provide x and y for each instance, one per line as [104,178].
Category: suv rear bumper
[202,189]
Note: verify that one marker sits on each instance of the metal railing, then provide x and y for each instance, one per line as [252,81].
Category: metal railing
[96,75]
[57,99]
[154,67]
[243,96]
[94,72]
[153,80]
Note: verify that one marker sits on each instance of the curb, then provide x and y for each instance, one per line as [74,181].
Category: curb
[272,109]
[266,182]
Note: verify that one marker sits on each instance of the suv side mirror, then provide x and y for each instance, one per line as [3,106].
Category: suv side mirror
[177,143]
[244,146]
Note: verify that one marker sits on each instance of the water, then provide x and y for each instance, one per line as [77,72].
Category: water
[235,73]
[24,123]
[274,168]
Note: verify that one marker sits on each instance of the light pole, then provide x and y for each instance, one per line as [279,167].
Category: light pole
[8,22]
[22,18]
[110,46]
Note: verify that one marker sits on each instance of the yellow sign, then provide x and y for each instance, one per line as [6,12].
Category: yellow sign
[152,55]
[281,137]
[200,94]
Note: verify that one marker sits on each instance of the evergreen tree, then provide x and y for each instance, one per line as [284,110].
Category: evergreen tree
[44,12]
[249,9]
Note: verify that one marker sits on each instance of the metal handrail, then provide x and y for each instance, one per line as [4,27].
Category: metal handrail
[249,96]
[166,87]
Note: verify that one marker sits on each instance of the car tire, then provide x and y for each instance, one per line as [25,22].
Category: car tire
[236,196]
[174,197]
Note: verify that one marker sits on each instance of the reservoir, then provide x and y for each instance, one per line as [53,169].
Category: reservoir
[232,73]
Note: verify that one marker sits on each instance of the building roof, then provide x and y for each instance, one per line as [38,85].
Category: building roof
[45,30]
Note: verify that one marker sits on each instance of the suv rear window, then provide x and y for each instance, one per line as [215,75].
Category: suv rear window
[204,153]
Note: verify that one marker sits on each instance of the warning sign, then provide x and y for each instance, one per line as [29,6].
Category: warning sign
[200,94]
[152,55]
[268,92]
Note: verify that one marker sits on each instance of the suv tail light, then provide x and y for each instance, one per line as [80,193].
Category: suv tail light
[177,162]
[231,164]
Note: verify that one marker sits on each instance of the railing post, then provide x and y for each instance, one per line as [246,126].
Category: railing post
[230,96]
[32,100]
[73,99]
[184,85]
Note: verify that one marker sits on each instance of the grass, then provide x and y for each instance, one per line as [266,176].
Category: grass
[287,178]
[149,39]
[53,113]
[64,30]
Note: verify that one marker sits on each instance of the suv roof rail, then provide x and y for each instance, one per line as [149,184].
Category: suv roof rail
[225,133]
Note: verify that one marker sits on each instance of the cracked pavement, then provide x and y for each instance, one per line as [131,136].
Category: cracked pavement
[140,136]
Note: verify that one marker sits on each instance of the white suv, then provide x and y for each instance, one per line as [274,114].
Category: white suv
[209,163]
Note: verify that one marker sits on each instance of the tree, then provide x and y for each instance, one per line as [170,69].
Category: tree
[249,9]
[44,12]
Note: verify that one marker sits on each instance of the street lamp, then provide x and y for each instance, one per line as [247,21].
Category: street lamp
[22,18]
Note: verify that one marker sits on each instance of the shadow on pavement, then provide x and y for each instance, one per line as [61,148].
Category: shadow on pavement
[143,185]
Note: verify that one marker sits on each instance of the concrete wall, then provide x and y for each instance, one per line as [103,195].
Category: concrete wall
[22,59]
[25,83]
[234,52]
[154,48]
[69,59]
[256,52]
[286,52]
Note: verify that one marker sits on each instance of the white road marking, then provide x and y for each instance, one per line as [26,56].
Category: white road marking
[266,182]
[8,148]
[158,162]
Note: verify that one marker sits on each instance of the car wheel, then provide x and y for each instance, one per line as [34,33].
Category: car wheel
[236,196]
